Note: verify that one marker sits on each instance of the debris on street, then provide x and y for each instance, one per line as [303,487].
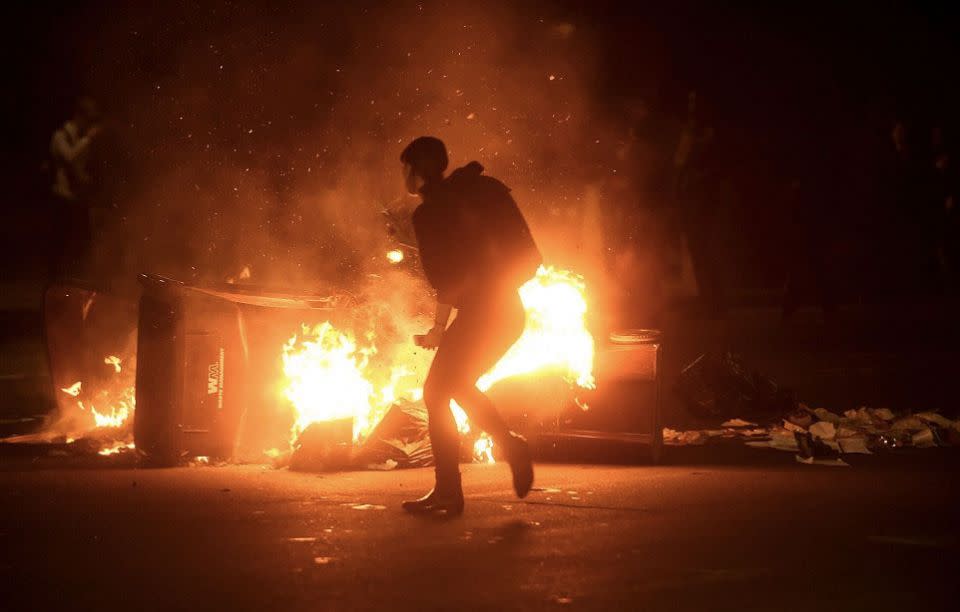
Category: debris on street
[400,439]
[720,386]
[821,437]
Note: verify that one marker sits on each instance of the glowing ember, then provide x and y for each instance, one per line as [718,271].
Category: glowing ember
[116,447]
[73,389]
[483,449]
[243,275]
[395,256]
[114,361]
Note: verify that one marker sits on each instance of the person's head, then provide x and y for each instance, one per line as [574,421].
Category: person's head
[424,162]
[86,114]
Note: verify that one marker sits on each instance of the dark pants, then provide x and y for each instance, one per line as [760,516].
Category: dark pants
[70,234]
[476,340]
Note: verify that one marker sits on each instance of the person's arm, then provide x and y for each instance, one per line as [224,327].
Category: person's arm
[442,316]
[61,148]
[432,235]
[431,339]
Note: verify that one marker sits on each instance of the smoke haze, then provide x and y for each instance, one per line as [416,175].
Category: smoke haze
[270,137]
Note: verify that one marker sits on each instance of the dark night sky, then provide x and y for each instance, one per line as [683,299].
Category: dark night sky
[778,77]
[758,62]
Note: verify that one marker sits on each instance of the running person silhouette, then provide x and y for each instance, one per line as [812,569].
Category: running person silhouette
[476,250]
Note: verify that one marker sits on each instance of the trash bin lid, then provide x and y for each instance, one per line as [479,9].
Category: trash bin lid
[635,336]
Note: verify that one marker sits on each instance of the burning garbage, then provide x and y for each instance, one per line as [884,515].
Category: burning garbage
[327,380]
[349,387]
[117,404]
[331,375]
[307,381]
[323,445]
[91,347]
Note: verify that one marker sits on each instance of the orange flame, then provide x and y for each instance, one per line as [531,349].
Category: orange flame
[116,448]
[325,377]
[556,337]
[73,389]
[328,378]
[483,449]
[120,403]
[327,374]
[114,361]
[118,413]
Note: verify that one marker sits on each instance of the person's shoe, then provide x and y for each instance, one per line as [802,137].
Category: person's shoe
[521,464]
[445,499]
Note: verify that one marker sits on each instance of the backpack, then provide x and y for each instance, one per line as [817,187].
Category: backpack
[498,246]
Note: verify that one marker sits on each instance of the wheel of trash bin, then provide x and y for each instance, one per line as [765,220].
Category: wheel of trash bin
[653,338]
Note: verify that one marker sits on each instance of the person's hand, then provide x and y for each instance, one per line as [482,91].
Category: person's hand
[429,340]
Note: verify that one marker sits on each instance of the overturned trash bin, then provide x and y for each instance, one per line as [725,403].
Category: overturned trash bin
[621,418]
[188,345]
[206,359]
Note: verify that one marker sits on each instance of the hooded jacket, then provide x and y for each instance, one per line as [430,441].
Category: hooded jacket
[474,242]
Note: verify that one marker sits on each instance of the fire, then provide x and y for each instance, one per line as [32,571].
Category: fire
[114,416]
[556,336]
[326,381]
[483,449]
[395,256]
[244,274]
[119,400]
[114,361]
[118,413]
[116,448]
[328,375]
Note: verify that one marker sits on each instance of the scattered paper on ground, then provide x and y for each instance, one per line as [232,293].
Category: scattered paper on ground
[826,435]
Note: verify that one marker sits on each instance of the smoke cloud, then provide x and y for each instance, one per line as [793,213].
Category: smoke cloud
[269,138]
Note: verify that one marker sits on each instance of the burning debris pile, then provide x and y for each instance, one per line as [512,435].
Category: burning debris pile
[95,418]
[350,387]
[110,425]
[91,349]
[340,394]
[399,440]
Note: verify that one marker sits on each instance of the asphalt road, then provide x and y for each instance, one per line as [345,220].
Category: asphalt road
[741,529]
[683,537]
